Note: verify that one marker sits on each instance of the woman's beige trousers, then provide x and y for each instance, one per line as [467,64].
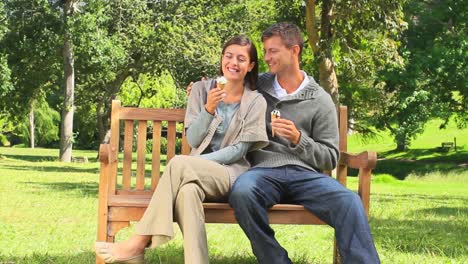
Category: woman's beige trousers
[184,185]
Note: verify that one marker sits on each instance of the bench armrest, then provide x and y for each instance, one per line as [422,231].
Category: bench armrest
[365,162]
[106,154]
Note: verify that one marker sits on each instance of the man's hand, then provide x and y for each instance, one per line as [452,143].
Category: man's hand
[287,129]
[215,96]
[189,86]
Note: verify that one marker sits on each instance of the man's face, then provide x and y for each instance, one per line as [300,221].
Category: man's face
[278,57]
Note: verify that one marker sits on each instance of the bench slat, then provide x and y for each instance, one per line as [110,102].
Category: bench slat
[114,145]
[171,140]
[156,158]
[142,199]
[296,217]
[133,206]
[342,170]
[343,127]
[185,146]
[127,162]
[132,113]
[141,155]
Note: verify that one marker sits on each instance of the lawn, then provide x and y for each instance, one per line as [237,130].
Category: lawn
[48,211]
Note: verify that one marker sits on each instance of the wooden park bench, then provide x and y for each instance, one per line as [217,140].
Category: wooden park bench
[446,146]
[124,199]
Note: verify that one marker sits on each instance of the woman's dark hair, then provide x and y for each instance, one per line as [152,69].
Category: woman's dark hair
[252,76]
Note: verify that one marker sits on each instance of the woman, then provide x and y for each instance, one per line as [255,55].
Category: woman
[221,126]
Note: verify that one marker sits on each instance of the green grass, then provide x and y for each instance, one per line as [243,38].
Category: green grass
[48,211]
[424,156]
[430,139]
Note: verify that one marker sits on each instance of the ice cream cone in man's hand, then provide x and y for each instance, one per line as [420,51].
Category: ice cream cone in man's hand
[274,114]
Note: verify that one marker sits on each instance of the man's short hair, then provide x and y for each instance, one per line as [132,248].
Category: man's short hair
[288,32]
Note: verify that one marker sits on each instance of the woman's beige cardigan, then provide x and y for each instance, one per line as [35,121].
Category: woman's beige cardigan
[247,124]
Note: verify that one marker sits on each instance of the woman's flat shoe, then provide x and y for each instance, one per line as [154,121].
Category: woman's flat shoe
[102,251]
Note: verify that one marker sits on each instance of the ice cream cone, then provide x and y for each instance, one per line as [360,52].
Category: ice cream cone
[221,82]
[274,114]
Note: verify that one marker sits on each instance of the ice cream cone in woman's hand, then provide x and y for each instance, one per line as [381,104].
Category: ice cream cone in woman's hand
[221,82]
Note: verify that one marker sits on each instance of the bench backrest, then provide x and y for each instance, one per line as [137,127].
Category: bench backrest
[165,123]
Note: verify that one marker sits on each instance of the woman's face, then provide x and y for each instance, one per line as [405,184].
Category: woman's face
[235,62]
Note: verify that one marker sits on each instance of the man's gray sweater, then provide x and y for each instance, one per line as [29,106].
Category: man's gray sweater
[314,114]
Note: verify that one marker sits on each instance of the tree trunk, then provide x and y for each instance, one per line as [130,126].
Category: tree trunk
[322,45]
[100,122]
[328,79]
[402,145]
[402,141]
[32,127]
[66,134]
[103,108]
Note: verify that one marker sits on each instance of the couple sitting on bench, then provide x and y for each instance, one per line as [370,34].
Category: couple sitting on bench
[251,161]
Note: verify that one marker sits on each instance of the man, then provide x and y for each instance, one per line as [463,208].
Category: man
[288,170]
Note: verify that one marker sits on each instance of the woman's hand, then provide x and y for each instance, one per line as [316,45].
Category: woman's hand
[215,96]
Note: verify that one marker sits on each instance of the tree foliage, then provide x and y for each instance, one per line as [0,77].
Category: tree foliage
[47,121]
[32,49]
[5,73]
[363,39]
[437,44]
[397,63]
[120,41]
[433,79]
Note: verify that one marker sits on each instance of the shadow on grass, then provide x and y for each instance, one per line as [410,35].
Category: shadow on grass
[31,158]
[451,156]
[66,169]
[401,169]
[80,188]
[71,169]
[409,198]
[408,163]
[445,211]
[39,158]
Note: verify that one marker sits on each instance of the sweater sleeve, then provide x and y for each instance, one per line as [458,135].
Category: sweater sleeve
[319,147]
[254,126]
[196,115]
[197,131]
[229,154]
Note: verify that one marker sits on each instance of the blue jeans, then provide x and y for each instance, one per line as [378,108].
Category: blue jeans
[260,188]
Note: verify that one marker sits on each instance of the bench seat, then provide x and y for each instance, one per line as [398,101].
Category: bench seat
[131,207]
